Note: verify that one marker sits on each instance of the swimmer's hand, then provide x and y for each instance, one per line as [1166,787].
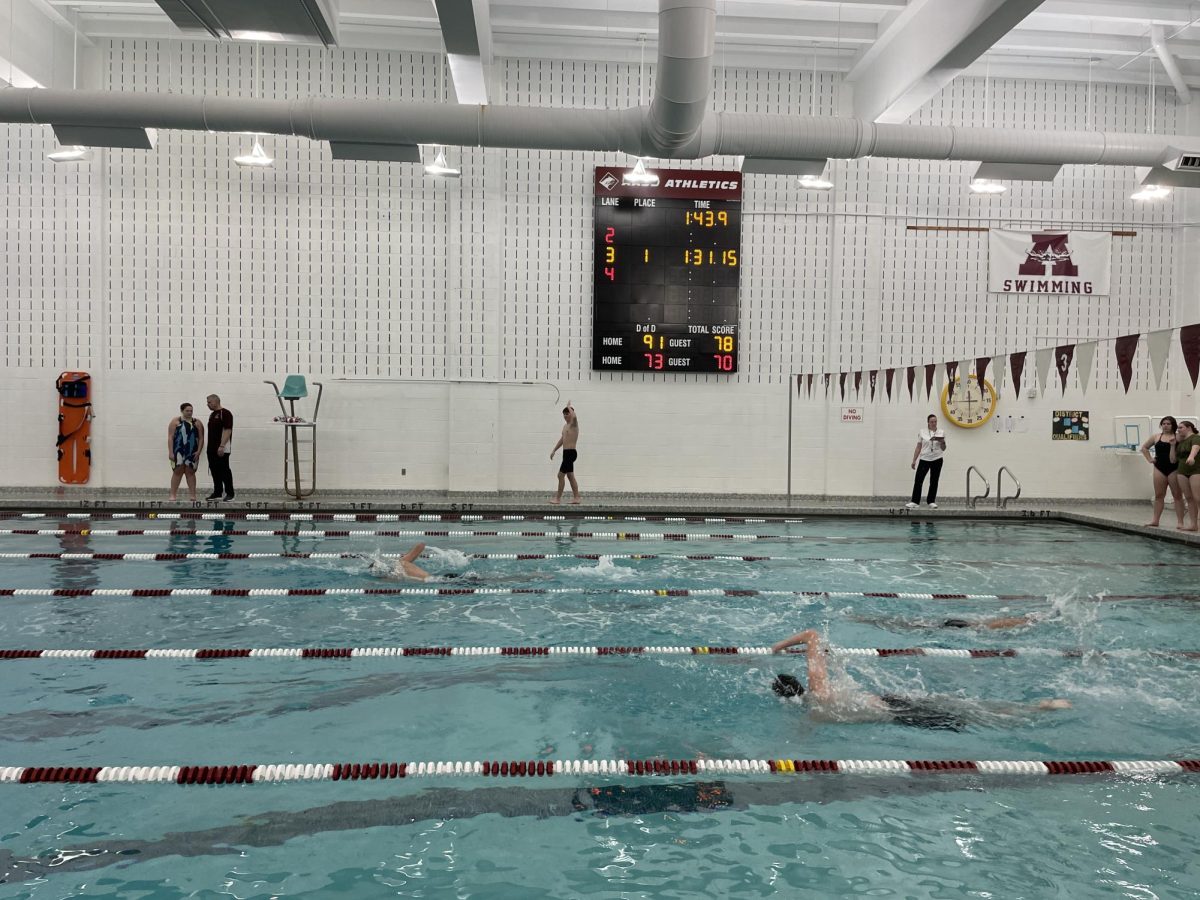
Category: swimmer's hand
[1056,703]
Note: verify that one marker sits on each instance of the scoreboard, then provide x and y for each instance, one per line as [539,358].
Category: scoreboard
[666,271]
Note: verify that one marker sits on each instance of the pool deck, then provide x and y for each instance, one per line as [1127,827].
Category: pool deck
[1127,516]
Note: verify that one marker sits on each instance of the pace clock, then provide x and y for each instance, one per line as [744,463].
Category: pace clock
[667,263]
[970,403]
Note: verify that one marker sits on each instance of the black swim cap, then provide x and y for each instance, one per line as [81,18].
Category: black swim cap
[787,686]
[956,623]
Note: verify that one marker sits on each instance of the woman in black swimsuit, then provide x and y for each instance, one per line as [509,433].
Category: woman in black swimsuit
[1164,469]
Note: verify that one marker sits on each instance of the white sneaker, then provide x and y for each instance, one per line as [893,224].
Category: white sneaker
[911,505]
[933,506]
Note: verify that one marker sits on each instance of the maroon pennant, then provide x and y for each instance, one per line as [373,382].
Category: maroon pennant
[842,383]
[951,371]
[930,371]
[810,378]
[912,377]
[1189,341]
[1016,362]
[887,381]
[873,378]
[981,364]
[827,376]
[1126,348]
[857,383]
[799,383]
[1062,361]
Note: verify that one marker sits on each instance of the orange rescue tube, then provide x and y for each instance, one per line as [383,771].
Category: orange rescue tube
[74,427]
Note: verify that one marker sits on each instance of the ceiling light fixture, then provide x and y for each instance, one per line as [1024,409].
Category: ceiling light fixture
[815,183]
[987,186]
[638,176]
[68,154]
[255,35]
[256,159]
[1151,192]
[439,168]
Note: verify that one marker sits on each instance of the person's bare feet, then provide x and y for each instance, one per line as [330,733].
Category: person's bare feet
[576,501]
[556,500]
[1056,703]
[172,498]
[1150,525]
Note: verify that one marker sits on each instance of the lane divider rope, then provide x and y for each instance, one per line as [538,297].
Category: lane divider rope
[461,591]
[170,557]
[392,517]
[535,651]
[274,532]
[256,773]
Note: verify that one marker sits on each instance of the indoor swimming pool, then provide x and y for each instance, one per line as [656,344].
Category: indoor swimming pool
[590,643]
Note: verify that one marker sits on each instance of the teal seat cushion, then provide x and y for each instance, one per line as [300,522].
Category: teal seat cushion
[294,388]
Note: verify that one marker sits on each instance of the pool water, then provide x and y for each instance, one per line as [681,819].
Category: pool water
[819,835]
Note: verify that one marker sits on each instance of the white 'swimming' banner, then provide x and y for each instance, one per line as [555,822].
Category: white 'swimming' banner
[1049,262]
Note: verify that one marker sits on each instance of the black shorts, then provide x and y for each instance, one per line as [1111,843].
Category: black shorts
[923,714]
[568,461]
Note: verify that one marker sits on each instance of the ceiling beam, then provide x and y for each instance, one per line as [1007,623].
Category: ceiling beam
[462,22]
[925,48]
[1138,12]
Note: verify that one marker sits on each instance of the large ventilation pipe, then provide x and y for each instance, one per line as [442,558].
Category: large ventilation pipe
[1158,40]
[735,134]
[683,79]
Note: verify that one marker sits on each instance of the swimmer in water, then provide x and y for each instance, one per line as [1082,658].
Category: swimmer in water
[404,568]
[832,703]
[998,623]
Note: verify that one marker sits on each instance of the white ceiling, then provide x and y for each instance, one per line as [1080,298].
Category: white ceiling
[1106,39]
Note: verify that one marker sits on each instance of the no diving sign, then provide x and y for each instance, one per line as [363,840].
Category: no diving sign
[852,413]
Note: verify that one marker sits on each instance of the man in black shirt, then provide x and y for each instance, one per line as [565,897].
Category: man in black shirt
[220,434]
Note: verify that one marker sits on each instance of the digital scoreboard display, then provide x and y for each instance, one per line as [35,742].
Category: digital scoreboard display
[666,271]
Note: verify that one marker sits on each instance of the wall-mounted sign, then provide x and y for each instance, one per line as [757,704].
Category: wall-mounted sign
[1069,425]
[852,413]
[1049,262]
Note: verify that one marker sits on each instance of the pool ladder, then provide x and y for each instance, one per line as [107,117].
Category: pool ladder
[1001,500]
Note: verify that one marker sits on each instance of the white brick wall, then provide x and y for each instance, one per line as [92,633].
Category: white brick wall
[173,274]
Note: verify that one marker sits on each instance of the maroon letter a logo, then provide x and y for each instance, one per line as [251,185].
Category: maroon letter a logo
[1049,249]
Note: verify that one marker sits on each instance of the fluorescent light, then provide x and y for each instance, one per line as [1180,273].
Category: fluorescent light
[439,168]
[69,154]
[987,186]
[815,183]
[1150,192]
[638,175]
[256,159]
[256,35]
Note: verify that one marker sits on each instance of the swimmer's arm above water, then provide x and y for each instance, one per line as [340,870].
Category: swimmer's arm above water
[818,678]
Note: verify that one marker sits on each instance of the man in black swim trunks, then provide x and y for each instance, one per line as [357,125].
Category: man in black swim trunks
[841,703]
[566,471]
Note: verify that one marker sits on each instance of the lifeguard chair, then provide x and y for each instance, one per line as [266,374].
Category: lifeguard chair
[299,436]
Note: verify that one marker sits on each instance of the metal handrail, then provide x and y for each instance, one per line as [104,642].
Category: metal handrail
[971,501]
[1001,500]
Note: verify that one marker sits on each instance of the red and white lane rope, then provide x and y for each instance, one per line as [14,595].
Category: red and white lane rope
[394,517]
[458,533]
[535,651]
[502,592]
[172,557]
[359,771]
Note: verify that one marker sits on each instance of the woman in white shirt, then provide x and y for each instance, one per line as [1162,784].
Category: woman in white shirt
[931,446]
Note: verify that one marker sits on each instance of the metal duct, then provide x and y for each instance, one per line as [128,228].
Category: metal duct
[687,31]
[738,134]
[1158,41]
